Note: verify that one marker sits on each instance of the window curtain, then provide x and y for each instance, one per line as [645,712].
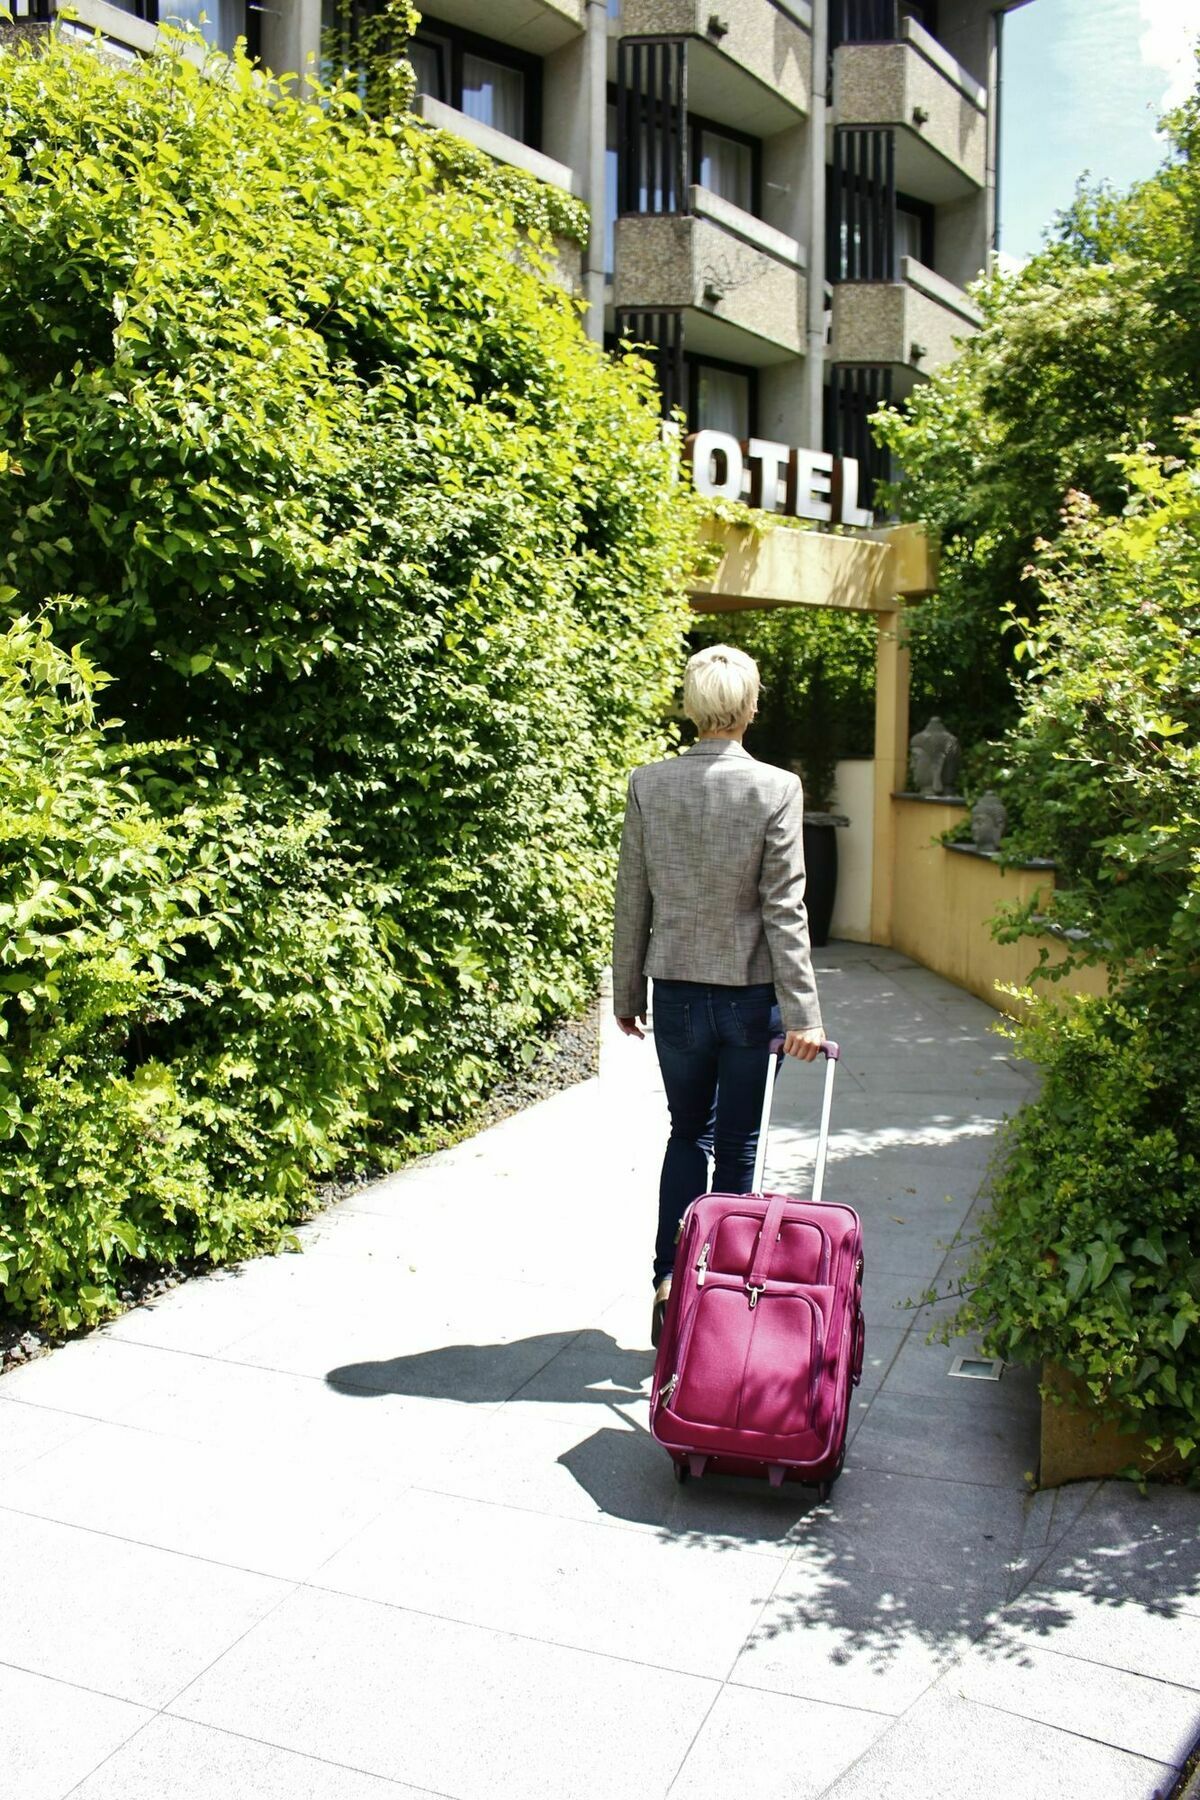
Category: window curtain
[494,95]
[727,169]
[224,21]
[722,402]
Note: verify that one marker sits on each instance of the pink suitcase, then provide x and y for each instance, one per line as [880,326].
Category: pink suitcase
[763,1339]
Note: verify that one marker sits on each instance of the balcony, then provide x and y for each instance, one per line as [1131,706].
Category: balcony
[749,61]
[936,109]
[536,26]
[913,324]
[497,144]
[739,284]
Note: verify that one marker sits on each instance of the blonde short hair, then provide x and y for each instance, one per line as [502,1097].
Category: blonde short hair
[720,688]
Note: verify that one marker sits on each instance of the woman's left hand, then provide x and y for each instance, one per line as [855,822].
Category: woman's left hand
[804,1044]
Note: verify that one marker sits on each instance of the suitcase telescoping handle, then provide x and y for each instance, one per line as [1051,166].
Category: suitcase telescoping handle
[831,1053]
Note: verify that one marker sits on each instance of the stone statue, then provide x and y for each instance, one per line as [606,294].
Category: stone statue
[989,816]
[935,754]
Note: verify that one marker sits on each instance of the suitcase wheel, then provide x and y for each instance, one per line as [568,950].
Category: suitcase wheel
[824,1489]
[680,1471]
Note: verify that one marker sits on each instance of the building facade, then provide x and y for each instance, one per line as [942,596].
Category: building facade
[788,197]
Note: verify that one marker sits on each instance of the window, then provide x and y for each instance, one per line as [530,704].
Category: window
[721,398]
[914,232]
[725,166]
[908,238]
[223,21]
[493,94]
[430,58]
[487,81]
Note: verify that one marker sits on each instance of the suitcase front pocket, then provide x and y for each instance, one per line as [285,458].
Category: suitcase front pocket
[800,1255]
[750,1368]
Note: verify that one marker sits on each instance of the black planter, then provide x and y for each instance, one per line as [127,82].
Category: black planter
[821,862]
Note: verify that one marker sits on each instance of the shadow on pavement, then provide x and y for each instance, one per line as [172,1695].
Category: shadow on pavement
[487,1374]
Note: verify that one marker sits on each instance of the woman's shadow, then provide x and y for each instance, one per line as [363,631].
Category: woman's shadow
[619,1465]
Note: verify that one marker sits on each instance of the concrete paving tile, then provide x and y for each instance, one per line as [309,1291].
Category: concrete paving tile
[593,1369]
[27,1432]
[883,1343]
[176,1759]
[911,1545]
[366,1433]
[956,1750]
[1110,1706]
[262,1512]
[546,1246]
[473,1713]
[116,1617]
[923,1369]
[52,1735]
[830,1647]
[1132,1546]
[392,1334]
[892,1298]
[600,1466]
[971,1076]
[951,1439]
[209,1312]
[583,1584]
[774,1747]
[95,1377]
[1160,1641]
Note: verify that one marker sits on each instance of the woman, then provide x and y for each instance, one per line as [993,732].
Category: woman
[710,902]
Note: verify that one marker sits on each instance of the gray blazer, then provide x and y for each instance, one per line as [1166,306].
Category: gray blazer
[711,880]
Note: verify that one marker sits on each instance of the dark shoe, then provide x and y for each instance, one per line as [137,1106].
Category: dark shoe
[662,1294]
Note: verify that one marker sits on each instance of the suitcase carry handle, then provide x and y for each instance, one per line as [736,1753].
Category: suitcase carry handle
[832,1054]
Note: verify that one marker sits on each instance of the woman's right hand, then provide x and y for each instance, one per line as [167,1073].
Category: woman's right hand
[804,1044]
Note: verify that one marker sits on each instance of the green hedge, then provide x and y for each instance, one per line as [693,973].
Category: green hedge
[1091,1255]
[304,448]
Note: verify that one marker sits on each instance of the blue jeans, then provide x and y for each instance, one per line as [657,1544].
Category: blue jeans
[712,1050]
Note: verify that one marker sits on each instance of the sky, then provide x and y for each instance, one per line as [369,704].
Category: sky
[1084,84]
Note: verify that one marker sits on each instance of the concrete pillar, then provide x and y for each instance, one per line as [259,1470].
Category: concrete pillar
[594,174]
[291,35]
[891,762]
[814,365]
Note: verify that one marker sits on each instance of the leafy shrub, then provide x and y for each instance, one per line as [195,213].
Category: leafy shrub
[1092,345]
[191,1021]
[1092,1253]
[818,692]
[306,449]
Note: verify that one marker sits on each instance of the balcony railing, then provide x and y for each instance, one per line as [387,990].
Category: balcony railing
[659,337]
[855,391]
[863,22]
[652,129]
[862,205]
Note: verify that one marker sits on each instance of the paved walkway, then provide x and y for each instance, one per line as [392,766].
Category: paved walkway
[384,1519]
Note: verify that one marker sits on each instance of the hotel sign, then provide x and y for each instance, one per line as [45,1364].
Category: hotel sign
[808,484]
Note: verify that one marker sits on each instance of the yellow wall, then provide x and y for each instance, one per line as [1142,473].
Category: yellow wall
[943,903]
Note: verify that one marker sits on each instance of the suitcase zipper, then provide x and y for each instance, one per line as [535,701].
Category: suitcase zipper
[668,1388]
[702,1266]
